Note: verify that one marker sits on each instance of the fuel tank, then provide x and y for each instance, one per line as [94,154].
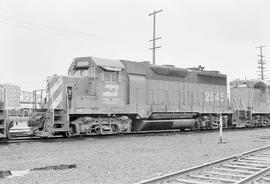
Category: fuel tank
[146,125]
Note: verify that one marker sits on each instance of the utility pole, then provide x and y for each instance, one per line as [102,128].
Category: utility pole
[220,129]
[154,35]
[261,63]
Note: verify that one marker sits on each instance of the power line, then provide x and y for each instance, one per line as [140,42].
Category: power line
[154,35]
[12,21]
[261,63]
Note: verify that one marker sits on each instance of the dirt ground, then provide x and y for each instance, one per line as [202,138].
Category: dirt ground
[123,159]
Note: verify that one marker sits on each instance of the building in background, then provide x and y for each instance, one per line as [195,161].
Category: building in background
[12,96]
[2,97]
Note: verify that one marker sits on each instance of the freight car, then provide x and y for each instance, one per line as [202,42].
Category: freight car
[250,101]
[105,96]
[3,124]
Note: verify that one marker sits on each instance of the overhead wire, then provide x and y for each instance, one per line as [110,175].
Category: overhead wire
[12,21]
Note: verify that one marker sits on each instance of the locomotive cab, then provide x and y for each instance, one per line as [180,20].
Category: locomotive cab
[97,98]
[99,87]
[87,101]
[250,102]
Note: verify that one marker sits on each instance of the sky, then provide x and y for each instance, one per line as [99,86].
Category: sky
[40,38]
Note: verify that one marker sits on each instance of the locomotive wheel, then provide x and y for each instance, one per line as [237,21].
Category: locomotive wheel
[66,134]
[115,129]
[9,126]
[9,137]
[197,126]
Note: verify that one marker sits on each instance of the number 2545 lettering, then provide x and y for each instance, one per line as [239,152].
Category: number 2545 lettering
[213,96]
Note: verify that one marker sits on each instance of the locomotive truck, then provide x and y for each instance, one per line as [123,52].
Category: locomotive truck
[105,96]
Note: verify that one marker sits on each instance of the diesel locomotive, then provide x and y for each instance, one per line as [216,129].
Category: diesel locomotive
[105,96]
[250,102]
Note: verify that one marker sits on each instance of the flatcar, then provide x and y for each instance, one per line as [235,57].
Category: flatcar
[104,96]
[250,101]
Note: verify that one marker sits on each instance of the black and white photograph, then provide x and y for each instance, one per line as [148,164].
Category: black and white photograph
[134,91]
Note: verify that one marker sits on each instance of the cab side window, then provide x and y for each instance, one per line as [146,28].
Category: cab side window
[114,76]
[107,76]
[110,76]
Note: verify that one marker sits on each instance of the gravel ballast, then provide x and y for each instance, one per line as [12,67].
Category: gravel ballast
[123,159]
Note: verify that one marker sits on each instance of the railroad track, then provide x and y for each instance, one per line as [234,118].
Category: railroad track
[20,138]
[25,138]
[249,167]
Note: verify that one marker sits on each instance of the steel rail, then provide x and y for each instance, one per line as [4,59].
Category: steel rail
[29,138]
[175,175]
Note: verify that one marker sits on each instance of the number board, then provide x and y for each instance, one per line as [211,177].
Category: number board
[210,96]
[81,64]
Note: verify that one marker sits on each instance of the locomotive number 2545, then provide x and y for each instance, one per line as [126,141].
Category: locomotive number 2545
[213,96]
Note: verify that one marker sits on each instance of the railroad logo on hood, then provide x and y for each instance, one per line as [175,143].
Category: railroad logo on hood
[111,90]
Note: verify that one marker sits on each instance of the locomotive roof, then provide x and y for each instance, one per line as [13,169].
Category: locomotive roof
[166,69]
[169,70]
[252,83]
[172,73]
[108,64]
[145,68]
